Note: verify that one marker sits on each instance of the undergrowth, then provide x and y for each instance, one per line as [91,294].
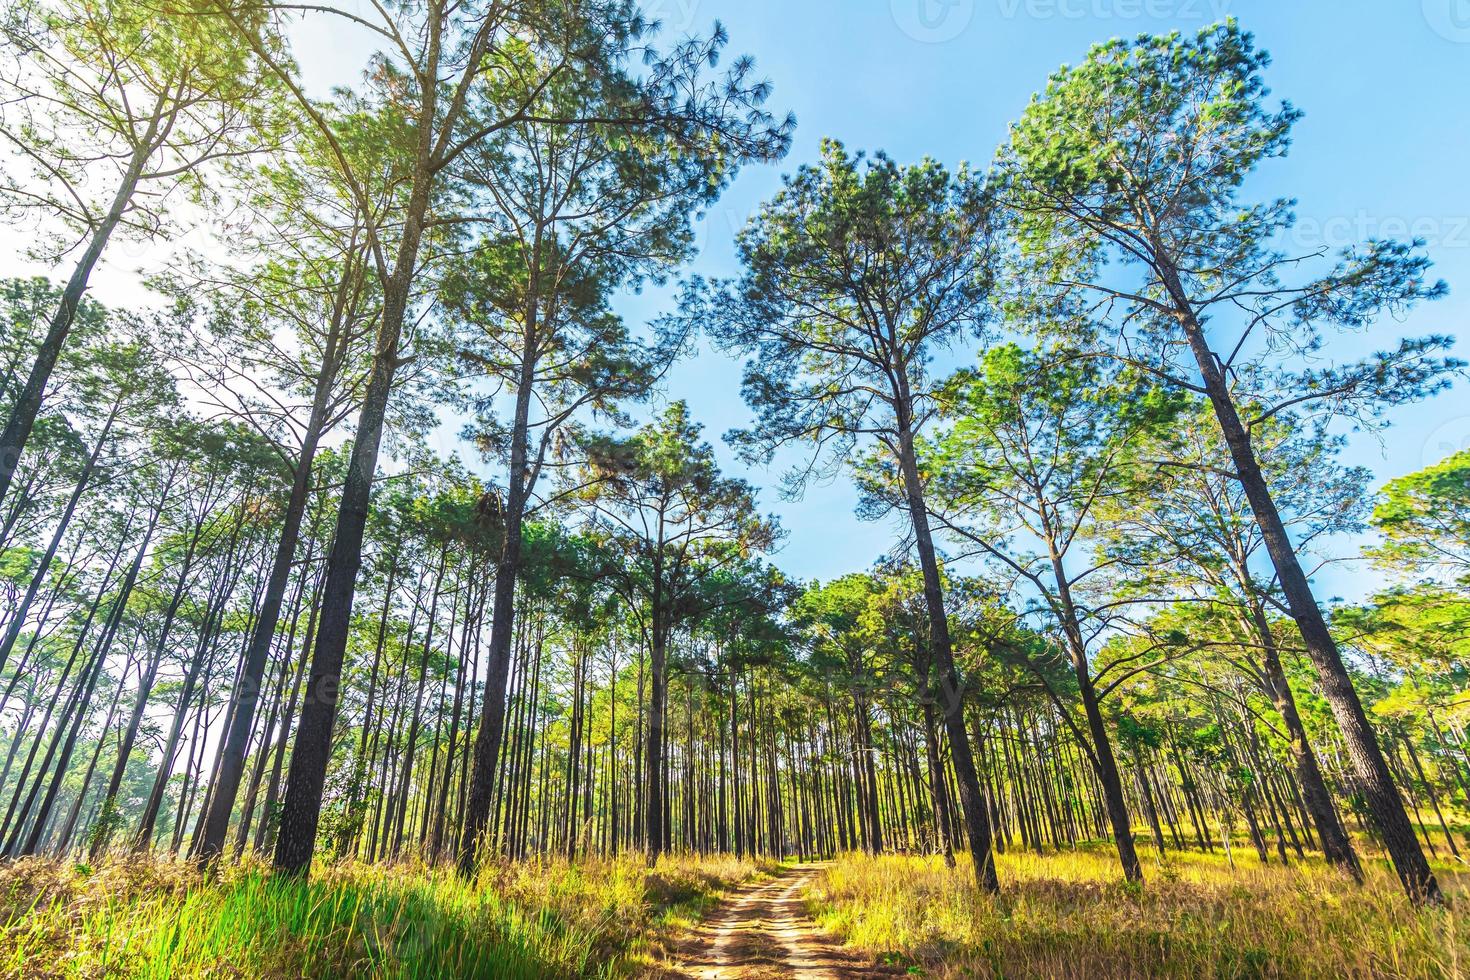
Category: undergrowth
[156,919]
[1070,915]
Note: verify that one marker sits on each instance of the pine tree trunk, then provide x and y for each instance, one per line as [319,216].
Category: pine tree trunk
[306,779]
[38,578]
[472,612]
[1369,765]
[977,820]
[1337,848]
[937,791]
[654,745]
[27,407]
[211,841]
[80,696]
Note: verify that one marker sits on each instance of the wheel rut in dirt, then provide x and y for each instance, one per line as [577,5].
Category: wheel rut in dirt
[763,931]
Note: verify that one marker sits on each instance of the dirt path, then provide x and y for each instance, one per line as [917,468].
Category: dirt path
[763,931]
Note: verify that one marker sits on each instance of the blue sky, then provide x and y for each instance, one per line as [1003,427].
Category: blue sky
[1382,150]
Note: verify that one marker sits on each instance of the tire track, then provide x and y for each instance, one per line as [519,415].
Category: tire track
[763,931]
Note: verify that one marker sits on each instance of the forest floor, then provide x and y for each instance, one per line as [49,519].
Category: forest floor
[1062,915]
[140,916]
[1069,915]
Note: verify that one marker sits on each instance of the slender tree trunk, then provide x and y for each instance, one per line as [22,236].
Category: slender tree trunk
[64,838]
[411,746]
[186,695]
[574,751]
[654,771]
[1433,795]
[211,841]
[972,801]
[269,822]
[1369,765]
[472,612]
[937,789]
[27,405]
[867,774]
[82,694]
[1337,848]
[88,685]
[146,679]
[519,485]
[77,646]
[38,579]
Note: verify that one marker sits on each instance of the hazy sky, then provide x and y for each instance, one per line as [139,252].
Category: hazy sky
[1382,151]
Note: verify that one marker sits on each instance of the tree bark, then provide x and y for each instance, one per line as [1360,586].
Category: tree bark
[1369,765]
[247,689]
[307,776]
[1337,848]
[972,801]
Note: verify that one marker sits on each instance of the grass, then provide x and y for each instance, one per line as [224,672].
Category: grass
[1070,915]
[1065,915]
[146,918]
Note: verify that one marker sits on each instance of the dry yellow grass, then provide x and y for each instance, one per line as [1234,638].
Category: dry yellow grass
[1064,915]
[1070,915]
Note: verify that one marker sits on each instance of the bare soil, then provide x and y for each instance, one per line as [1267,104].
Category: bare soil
[762,931]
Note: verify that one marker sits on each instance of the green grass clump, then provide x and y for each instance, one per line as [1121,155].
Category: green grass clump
[146,918]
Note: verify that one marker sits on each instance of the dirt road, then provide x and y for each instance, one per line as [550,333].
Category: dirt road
[763,931]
